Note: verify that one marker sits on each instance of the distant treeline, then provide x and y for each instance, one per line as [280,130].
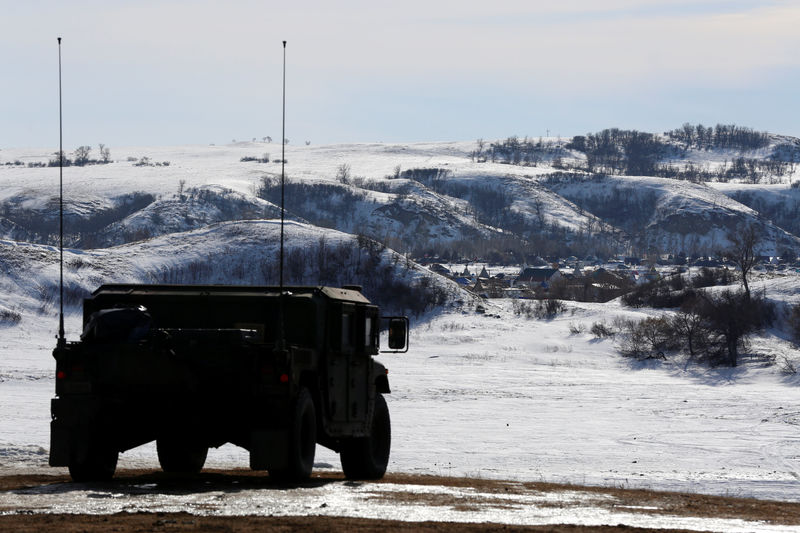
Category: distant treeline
[746,169]
[628,152]
[636,153]
[721,136]
[516,151]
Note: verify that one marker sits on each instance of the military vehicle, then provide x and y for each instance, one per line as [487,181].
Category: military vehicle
[197,366]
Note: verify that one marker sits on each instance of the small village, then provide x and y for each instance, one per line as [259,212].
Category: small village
[588,280]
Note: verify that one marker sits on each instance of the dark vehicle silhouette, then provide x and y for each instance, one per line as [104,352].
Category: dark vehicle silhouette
[193,367]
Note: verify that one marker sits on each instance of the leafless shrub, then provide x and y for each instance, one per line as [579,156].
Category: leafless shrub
[9,316]
[650,338]
[542,309]
[601,330]
[576,328]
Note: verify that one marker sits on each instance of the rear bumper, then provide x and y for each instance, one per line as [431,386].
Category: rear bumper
[259,424]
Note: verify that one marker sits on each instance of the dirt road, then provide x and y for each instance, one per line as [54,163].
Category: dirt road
[241,500]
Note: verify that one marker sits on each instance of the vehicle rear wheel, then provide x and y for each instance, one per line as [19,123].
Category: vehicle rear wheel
[98,463]
[302,441]
[368,457]
[179,455]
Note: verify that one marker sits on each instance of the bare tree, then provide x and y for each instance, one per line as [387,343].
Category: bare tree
[689,323]
[343,173]
[105,153]
[538,206]
[81,155]
[731,317]
[742,252]
[478,152]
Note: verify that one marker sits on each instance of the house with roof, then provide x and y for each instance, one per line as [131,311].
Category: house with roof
[606,284]
[532,278]
[490,287]
[478,289]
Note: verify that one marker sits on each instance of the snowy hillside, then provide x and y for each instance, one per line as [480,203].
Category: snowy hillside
[666,214]
[417,197]
[227,253]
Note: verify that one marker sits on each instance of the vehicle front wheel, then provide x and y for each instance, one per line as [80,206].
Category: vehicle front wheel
[368,457]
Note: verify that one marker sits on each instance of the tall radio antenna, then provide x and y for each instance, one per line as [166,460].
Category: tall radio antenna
[283,162]
[61,339]
[281,343]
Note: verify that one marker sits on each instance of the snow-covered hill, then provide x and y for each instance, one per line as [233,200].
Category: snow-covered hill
[665,214]
[243,252]
[413,197]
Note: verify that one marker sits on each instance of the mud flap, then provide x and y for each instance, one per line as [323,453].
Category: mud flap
[69,429]
[59,444]
[269,448]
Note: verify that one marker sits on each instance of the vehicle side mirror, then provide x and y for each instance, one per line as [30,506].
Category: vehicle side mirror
[398,334]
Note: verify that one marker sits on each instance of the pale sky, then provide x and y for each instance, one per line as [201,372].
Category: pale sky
[172,72]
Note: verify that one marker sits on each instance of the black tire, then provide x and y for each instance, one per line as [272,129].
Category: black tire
[302,441]
[99,463]
[179,455]
[368,457]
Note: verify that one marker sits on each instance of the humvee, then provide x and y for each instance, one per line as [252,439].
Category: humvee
[197,366]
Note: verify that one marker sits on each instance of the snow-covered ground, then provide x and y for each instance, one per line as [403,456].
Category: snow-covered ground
[200,165]
[509,398]
[498,396]
[493,396]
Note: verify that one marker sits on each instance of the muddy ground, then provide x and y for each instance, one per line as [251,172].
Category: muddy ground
[641,501]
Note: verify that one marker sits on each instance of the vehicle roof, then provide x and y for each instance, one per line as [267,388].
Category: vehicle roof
[333,293]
